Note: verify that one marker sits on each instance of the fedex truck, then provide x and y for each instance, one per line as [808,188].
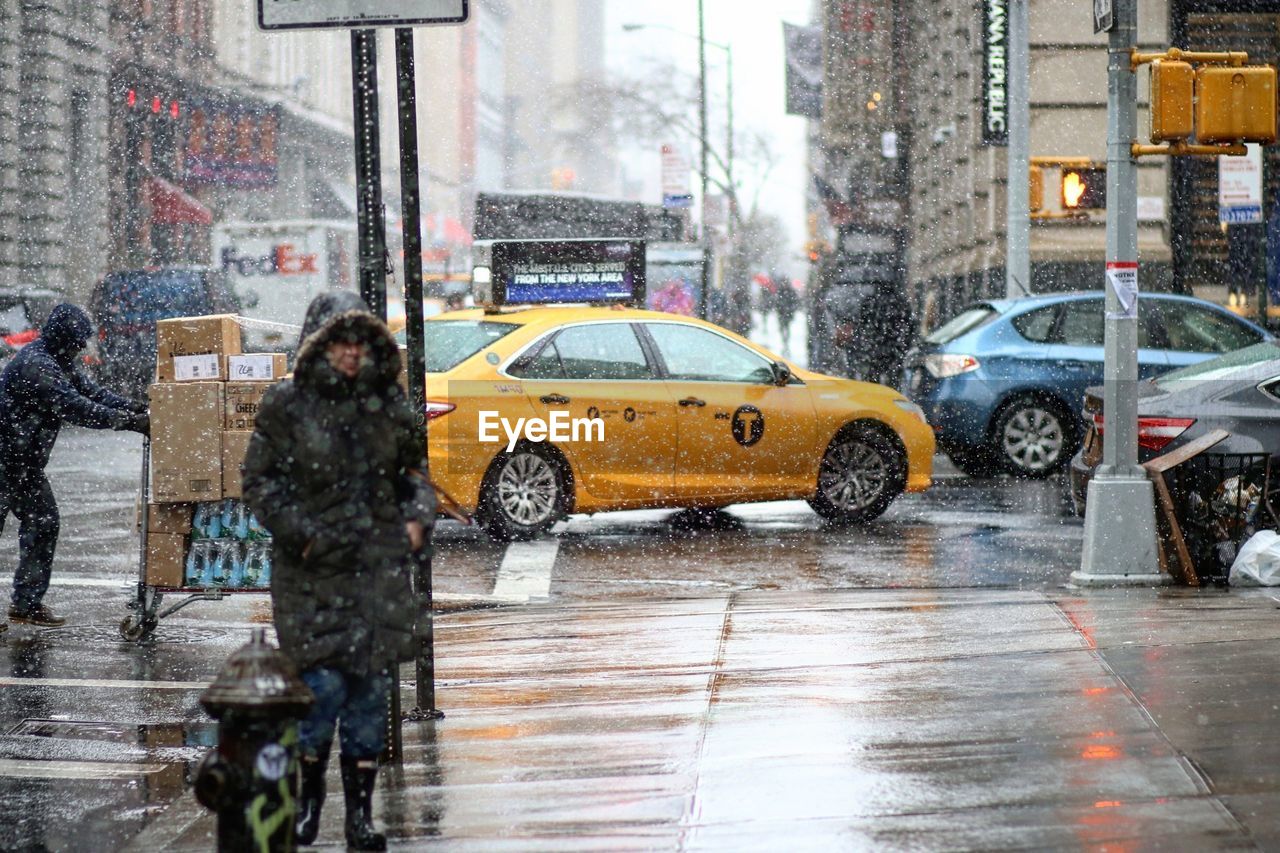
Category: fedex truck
[274,270]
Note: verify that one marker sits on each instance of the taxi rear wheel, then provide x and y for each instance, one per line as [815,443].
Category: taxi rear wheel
[861,473]
[525,493]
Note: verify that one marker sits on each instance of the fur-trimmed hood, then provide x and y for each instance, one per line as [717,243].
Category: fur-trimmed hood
[338,315]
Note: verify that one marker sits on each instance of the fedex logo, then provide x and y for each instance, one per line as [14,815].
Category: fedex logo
[283,259]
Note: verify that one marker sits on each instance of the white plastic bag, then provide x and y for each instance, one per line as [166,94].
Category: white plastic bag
[1258,561]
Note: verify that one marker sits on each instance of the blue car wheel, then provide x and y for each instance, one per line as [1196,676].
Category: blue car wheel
[1033,437]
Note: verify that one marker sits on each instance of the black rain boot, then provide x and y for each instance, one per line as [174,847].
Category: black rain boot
[311,798]
[358,778]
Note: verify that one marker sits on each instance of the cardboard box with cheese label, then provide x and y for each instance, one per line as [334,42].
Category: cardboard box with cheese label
[243,401]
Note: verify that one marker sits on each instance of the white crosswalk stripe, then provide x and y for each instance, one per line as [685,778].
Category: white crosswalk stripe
[525,572]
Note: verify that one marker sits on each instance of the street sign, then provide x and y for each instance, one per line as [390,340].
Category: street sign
[995,73]
[358,14]
[675,179]
[1104,16]
[1240,188]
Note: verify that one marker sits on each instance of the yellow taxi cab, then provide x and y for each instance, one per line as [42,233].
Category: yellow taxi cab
[538,412]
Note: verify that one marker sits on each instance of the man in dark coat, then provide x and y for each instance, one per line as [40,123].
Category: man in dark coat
[333,471]
[882,333]
[40,390]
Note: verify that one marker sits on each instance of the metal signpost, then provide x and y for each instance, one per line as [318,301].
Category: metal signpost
[1018,253]
[1120,522]
[360,16]
[369,211]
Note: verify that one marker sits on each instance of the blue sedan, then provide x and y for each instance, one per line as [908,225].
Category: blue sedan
[1002,382]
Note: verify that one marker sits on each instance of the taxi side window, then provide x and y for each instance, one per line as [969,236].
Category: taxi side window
[605,351]
[545,365]
[694,354]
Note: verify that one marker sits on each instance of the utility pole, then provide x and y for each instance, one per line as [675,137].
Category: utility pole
[702,131]
[1120,523]
[1018,214]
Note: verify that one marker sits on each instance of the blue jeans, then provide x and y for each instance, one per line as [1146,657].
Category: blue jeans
[360,704]
[27,495]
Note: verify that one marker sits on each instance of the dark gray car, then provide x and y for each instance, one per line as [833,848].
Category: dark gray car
[1238,392]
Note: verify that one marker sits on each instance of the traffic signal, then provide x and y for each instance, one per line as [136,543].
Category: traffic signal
[1172,98]
[1036,194]
[1236,104]
[1084,188]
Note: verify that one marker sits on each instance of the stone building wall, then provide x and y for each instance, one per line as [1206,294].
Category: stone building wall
[54,72]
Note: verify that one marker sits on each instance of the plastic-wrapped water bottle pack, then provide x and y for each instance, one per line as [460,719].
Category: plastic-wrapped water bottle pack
[229,548]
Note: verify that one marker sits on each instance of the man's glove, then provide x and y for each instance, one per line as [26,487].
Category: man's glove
[127,420]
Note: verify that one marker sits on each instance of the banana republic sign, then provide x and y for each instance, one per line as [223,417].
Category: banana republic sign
[995,73]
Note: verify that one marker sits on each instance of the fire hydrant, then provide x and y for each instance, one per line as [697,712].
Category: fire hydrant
[251,779]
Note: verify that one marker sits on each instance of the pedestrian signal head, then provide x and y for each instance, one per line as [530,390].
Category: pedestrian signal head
[1236,104]
[1172,96]
[1084,189]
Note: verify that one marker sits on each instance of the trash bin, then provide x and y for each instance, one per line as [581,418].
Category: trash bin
[1220,500]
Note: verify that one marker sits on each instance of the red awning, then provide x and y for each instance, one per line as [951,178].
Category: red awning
[171,206]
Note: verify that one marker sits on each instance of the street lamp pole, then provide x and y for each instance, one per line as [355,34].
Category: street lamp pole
[702,85]
[702,128]
[732,195]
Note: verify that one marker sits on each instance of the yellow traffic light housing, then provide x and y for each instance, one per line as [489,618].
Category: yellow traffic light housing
[1036,194]
[1084,189]
[1172,99]
[1236,104]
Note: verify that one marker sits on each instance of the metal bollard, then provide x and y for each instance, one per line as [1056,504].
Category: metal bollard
[251,779]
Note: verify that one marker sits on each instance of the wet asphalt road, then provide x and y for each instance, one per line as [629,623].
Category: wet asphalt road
[961,533]
[756,680]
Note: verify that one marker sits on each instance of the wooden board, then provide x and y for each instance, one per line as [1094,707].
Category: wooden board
[1175,559]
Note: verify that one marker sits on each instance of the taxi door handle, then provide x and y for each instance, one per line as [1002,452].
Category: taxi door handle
[554,399]
[693,401]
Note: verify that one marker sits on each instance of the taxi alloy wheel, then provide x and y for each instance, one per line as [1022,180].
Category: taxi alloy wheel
[525,495]
[860,475]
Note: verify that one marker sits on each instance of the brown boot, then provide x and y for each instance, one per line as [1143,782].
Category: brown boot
[39,616]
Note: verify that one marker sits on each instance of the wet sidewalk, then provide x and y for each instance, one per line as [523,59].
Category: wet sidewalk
[839,720]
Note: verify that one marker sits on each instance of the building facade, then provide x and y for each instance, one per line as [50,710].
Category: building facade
[54,77]
[954,174]
[958,178]
[551,143]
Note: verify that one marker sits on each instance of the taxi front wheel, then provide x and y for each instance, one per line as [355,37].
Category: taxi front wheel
[861,473]
[524,494]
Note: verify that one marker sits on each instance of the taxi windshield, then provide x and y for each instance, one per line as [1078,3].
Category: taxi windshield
[451,342]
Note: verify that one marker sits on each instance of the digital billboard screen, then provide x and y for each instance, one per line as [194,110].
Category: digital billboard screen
[540,272]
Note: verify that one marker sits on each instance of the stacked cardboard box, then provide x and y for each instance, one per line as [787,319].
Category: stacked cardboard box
[203,411]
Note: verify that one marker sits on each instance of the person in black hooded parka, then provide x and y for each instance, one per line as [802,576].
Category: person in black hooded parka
[329,472]
[40,390]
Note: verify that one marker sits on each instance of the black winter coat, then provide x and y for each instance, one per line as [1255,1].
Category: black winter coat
[41,388]
[328,472]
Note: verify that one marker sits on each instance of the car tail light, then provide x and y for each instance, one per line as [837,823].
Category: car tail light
[1153,433]
[437,409]
[943,365]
